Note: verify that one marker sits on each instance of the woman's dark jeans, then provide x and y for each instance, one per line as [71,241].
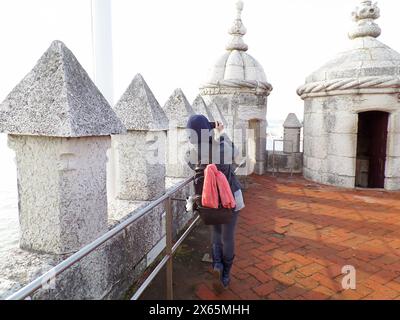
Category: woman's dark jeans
[224,236]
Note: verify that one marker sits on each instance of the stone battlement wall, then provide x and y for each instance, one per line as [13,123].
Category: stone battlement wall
[84,166]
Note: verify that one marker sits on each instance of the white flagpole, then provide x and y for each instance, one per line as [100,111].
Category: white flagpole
[102,47]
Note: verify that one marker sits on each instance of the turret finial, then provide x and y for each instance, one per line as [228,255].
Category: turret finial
[239,8]
[364,16]
[237,31]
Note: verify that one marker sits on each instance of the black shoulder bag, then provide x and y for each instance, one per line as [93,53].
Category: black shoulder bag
[209,216]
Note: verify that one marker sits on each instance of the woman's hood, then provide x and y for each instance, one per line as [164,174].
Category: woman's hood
[199,129]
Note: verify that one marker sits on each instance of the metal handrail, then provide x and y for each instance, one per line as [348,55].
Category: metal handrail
[162,263]
[36,284]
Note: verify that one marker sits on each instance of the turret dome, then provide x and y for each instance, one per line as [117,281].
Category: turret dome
[236,68]
[367,65]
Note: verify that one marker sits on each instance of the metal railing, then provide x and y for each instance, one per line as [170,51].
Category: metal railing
[171,248]
[291,155]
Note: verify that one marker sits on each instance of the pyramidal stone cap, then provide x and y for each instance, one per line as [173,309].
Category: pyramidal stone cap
[139,109]
[58,99]
[292,121]
[178,109]
[200,107]
[216,112]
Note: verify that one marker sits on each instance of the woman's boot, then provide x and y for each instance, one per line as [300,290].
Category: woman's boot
[217,260]
[225,277]
[218,267]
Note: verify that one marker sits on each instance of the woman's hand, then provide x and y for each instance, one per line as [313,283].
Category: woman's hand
[219,126]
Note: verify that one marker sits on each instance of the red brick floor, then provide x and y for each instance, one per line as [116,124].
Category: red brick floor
[294,237]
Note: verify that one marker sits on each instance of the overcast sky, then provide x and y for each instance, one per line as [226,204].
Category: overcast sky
[173,43]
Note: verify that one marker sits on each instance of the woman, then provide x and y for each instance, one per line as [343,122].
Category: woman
[204,138]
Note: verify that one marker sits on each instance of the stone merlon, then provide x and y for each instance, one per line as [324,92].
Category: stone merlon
[292,121]
[139,109]
[178,109]
[58,99]
[200,107]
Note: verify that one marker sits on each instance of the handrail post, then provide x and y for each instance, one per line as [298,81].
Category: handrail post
[168,221]
[273,158]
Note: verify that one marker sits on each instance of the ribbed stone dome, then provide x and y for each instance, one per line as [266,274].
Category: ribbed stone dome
[368,57]
[367,64]
[236,65]
[236,68]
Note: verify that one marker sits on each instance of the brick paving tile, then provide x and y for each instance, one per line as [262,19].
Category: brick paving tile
[205,293]
[294,237]
[332,284]
[249,295]
[258,274]
[288,266]
[274,296]
[245,284]
[293,292]
[311,269]
[307,282]
[268,263]
[283,278]
[266,288]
